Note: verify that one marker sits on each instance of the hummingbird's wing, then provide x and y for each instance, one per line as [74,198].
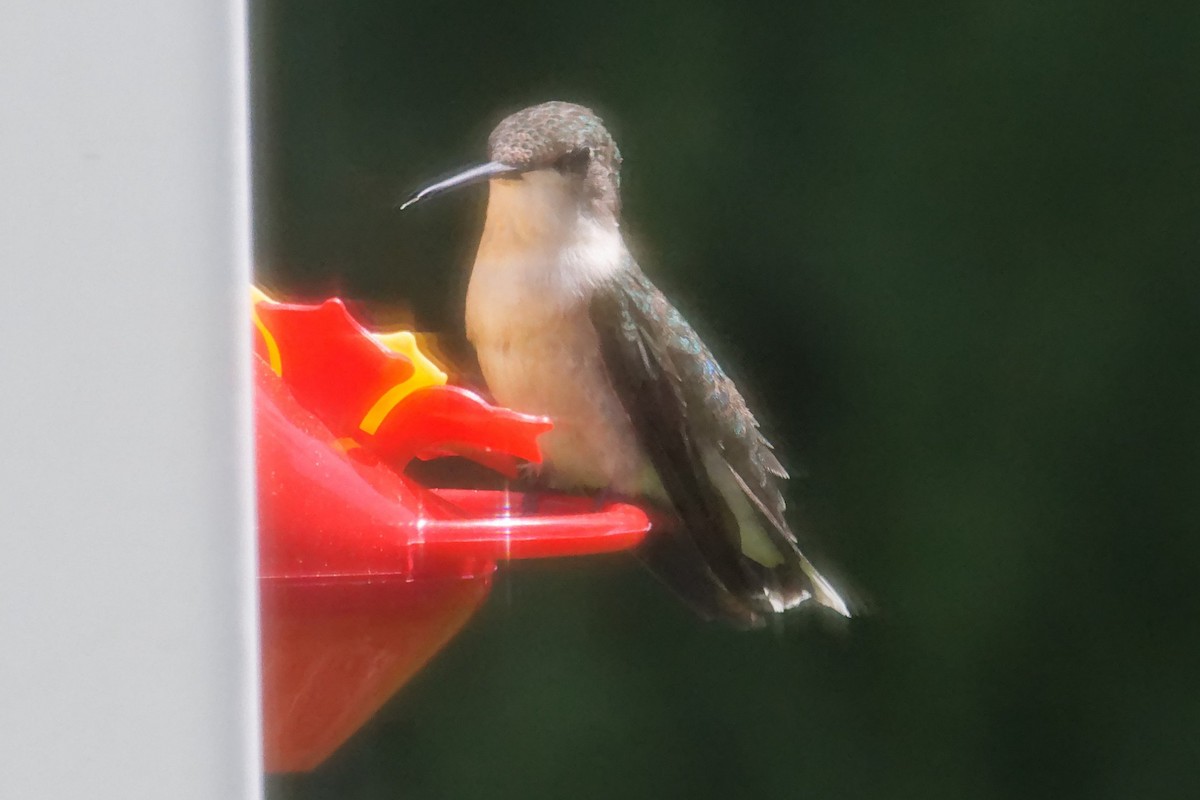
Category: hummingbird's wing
[734,555]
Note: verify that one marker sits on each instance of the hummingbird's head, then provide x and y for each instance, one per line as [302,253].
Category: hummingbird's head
[566,139]
[553,148]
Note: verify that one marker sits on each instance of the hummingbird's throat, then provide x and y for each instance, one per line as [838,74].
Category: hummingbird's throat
[543,228]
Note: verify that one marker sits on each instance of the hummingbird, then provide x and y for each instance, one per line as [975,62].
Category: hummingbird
[565,324]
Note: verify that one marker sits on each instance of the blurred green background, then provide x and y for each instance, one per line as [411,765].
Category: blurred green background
[951,253]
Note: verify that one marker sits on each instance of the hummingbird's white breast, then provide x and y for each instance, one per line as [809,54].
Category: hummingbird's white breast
[541,256]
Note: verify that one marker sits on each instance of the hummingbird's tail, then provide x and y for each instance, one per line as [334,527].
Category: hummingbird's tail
[822,591]
[673,557]
[739,562]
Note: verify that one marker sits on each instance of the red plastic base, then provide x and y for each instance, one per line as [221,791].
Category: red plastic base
[334,652]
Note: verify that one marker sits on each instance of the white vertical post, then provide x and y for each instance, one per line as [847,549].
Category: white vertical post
[128,624]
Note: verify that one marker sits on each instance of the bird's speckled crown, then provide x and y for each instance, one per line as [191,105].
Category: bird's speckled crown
[538,136]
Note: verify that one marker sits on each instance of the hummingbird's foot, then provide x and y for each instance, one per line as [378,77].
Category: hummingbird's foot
[603,498]
[532,484]
[533,488]
[531,500]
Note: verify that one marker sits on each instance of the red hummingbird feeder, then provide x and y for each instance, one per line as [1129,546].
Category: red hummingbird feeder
[364,573]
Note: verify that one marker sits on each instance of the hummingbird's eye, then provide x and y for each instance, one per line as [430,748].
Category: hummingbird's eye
[575,162]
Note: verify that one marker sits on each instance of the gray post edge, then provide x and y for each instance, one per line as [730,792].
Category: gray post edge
[128,604]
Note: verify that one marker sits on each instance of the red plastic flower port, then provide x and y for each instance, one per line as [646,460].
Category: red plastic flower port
[364,573]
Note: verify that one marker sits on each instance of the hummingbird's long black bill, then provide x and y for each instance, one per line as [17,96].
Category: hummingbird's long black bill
[478,174]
